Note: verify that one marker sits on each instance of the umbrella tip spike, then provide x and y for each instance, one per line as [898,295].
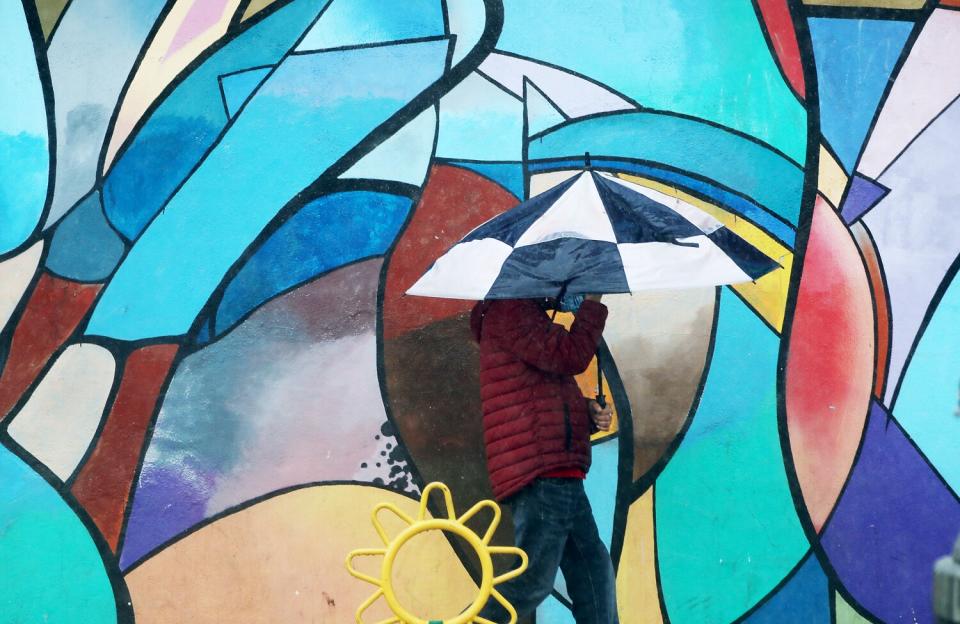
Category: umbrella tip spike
[586,159]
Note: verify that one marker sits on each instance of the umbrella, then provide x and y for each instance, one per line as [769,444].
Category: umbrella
[594,233]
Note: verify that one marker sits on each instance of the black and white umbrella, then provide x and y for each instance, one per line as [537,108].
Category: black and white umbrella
[594,233]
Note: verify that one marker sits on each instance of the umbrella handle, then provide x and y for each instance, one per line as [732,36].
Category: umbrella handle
[602,400]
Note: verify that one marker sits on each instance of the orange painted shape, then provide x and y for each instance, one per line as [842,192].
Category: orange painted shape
[55,308]
[104,482]
[829,374]
[878,289]
[454,202]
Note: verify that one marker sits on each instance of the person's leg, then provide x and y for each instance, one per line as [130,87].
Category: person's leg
[541,518]
[587,568]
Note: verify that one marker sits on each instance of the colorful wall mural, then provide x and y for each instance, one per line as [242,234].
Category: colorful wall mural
[209,372]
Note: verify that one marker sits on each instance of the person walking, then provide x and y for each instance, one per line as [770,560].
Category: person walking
[537,427]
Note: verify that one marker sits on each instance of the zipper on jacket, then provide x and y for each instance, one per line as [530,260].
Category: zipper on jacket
[568,430]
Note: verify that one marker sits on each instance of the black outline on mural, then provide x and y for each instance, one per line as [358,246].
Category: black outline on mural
[111,568]
[818,11]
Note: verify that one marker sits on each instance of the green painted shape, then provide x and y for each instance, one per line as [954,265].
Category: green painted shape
[688,145]
[52,570]
[49,12]
[705,59]
[727,530]
[845,613]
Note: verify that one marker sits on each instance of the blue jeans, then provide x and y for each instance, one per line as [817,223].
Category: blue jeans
[554,525]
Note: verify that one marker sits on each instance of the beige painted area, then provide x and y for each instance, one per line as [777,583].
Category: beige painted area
[16,274]
[165,58]
[637,600]
[255,7]
[768,295]
[282,560]
[832,179]
[658,340]
[879,4]
[542,182]
[59,420]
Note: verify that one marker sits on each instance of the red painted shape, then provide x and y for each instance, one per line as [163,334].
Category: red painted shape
[55,308]
[454,202]
[783,37]
[950,3]
[829,374]
[105,480]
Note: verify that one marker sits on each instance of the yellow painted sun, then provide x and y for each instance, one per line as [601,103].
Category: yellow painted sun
[421,524]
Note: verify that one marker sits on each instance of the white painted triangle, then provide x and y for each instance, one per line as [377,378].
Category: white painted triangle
[541,113]
[578,213]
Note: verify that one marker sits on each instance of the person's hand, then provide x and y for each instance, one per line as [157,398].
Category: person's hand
[602,416]
[593,297]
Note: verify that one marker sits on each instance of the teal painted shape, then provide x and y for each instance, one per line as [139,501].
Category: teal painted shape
[727,531]
[689,145]
[480,121]
[24,144]
[705,59]
[359,22]
[541,113]
[237,88]
[404,156]
[52,570]
[188,122]
[854,60]
[927,405]
[601,486]
[312,110]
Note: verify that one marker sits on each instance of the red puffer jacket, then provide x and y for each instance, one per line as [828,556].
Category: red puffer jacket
[535,419]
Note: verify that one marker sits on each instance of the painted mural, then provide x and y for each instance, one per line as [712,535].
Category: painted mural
[210,211]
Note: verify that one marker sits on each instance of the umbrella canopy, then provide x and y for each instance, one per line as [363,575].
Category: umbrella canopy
[594,233]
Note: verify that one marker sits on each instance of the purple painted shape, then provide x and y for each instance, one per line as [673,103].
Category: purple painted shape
[169,500]
[863,195]
[202,15]
[894,520]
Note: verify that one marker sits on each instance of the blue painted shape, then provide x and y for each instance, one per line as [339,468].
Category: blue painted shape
[185,125]
[724,512]
[541,113]
[508,175]
[730,201]
[854,59]
[209,224]
[804,599]
[687,145]
[238,87]
[402,157]
[84,247]
[326,233]
[705,59]
[52,569]
[927,403]
[601,486]
[480,121]
[553,611]
[358,22]
[24,148]
[467,21]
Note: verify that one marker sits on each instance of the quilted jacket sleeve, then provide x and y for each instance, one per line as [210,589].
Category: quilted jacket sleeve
[521,327]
